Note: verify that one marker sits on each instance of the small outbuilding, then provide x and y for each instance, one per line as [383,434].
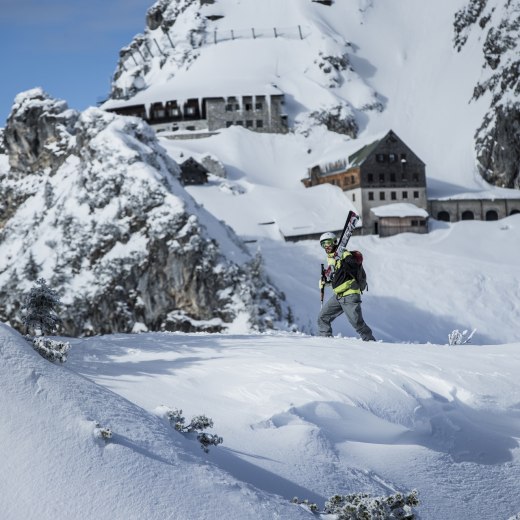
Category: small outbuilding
[192,172]
[400,218]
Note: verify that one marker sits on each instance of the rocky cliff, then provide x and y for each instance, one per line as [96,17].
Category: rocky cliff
[497,141]
[92,203]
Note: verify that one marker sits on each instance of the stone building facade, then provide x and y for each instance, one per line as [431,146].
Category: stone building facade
[259,113]
[384,172]
[453,209]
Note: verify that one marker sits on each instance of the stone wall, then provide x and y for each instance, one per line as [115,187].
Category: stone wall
[257,113]
[453,210]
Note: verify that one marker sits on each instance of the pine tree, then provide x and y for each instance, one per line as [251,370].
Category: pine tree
[41,305]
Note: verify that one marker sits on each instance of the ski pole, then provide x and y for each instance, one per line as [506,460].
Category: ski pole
[322,289]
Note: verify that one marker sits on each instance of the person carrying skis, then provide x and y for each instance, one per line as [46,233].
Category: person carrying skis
[347,294]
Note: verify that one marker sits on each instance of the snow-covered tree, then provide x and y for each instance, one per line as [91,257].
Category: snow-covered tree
[40,307]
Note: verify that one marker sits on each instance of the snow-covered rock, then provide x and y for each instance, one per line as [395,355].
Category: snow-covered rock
[497,140]
[101,216]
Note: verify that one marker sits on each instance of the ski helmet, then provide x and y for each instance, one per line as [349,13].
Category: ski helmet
[328,236]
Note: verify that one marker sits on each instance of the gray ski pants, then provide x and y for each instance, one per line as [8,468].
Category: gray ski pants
[351,306]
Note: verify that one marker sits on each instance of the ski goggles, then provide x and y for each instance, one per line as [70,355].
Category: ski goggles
[328,242]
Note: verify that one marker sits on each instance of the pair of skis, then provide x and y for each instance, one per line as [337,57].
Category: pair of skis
[348,229]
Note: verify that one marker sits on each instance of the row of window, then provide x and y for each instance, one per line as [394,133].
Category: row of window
[235,107]
[382,177]
[346,180]
[249,123]
[393,195]
[390,157]
[159,113]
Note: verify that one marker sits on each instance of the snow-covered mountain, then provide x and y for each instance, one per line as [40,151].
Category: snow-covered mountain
[359,68]
[92,203]
[349,71]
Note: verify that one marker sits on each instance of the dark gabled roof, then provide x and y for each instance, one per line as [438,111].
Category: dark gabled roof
[357,158]
[190,162]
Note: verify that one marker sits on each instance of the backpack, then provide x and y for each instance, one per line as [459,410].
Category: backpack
[361,275]
[351,270]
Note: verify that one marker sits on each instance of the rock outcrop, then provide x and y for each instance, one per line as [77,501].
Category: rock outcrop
[497,140]
[106,222]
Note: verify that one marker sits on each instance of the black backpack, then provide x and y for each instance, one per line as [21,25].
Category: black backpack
[361,275]
[352,269]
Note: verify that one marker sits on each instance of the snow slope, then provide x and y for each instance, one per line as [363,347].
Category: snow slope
[299,415]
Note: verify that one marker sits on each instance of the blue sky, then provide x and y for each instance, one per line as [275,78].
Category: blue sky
[69,48]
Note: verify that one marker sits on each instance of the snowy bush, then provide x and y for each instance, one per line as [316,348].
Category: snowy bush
[516,517]
[196,425]
[40,315]
[51,349]
[362,506]
[460,338]
[102,433]
[40,308]
[313,508]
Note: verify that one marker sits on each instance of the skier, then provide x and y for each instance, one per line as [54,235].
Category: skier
[347,295]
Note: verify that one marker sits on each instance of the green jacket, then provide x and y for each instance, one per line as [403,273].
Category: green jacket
[343,280]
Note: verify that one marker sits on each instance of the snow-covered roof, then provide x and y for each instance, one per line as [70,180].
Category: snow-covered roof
[493,193]
[401,209]
[166,92]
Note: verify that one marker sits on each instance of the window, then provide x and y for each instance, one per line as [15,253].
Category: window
[229,107]
[380,157]
[259,123]
[491,215]
[405,194]
[190,111]
[404,176]
[249,106]
[370,177]
[403,157]
[392,177]
[415,194]
[415,223]
[249,124]
[467,215]
[370,195]
[381,177]
[393,195]
[382,195]
[415,177]
[240,123]
[259,106]
[392,157]
[228,123]
[159,113]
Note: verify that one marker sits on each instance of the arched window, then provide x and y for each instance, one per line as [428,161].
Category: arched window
[514,212]
[491,215]
[444,216]
[468,215]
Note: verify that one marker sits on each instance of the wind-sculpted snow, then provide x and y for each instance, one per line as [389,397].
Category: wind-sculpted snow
[312,417]
[112,230]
